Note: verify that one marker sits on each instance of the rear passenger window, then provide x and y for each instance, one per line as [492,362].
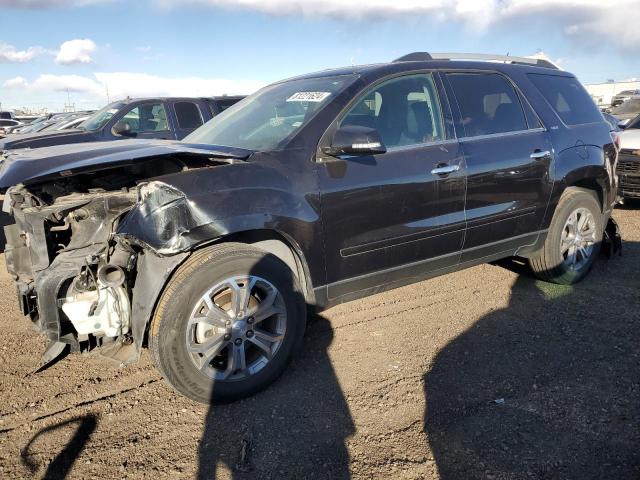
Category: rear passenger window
[488,103]
[568,98]
[188,114]
[404,110]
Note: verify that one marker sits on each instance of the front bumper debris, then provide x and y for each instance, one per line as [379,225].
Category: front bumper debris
[612,239]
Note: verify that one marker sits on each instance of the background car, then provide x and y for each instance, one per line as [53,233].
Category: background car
[67,123]
[39,123]
[6,125]
[141,118]
[623,96]
[628,168]
[627,111]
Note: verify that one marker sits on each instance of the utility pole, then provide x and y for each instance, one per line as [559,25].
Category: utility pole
[69,107]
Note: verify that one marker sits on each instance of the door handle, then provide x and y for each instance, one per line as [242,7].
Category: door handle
[539,154]
[445,170]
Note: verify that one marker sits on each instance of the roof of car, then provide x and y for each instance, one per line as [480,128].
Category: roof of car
[178,99]
[409,64]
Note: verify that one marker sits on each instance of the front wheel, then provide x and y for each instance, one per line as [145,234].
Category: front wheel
[573,240]
[227,323]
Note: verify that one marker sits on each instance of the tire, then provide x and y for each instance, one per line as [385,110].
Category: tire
[196,345]
[553,263]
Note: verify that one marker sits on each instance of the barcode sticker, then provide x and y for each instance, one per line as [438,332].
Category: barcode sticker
[308,97]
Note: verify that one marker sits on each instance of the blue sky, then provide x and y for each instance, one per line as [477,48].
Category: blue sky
[205,47]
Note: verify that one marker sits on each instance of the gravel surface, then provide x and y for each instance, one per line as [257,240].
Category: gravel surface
[485,373]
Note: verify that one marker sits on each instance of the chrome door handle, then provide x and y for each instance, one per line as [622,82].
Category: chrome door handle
[445,170]
[538,154]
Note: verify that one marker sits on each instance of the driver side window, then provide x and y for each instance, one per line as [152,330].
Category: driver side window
[148,117]
[405,111]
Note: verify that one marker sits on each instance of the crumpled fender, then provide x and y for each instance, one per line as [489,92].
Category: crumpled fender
[179,212]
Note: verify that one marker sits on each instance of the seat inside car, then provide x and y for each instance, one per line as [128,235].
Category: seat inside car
[505,118]
[419,124]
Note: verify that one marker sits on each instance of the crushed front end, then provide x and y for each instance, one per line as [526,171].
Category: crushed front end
[83,284]
[72,278]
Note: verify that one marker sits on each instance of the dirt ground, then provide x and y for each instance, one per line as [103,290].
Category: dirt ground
[485,373]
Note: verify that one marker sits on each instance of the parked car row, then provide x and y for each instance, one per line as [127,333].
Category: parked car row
[315,191]
[7,125]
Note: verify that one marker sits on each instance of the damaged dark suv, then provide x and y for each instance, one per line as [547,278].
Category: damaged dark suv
[314,191]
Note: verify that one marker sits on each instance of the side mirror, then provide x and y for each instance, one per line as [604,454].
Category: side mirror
[355,140]
[122,129]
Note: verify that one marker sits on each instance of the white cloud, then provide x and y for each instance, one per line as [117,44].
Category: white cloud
[589,22]
[595,21]
[15,82]
[9,53]
[76,51]
[123,84]
[35,4]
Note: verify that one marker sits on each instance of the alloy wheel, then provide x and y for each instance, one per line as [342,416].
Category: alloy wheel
[236,328]
[578,239]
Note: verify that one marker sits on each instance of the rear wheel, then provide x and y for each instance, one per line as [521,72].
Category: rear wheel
[227,323]
[573,240]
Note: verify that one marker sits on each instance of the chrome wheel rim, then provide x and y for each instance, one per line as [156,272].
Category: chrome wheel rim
[578,239]
[236,328]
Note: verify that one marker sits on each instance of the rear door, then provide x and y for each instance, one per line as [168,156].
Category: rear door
[391,216]
[507,153]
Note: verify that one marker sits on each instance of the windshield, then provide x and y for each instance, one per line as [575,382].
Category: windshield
[265,120]
[101,117]
[630,106]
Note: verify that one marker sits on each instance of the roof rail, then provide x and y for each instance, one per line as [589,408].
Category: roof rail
[425,56]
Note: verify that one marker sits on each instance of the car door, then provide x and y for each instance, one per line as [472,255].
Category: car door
[188,117]
[146,120]
[507,155]
[393,216]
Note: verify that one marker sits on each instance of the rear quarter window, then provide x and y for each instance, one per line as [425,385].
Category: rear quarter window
[568,98]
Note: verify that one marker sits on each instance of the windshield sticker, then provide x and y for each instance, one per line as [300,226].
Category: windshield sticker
[308,97]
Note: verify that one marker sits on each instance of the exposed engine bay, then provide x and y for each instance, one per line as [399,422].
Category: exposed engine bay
[81,283]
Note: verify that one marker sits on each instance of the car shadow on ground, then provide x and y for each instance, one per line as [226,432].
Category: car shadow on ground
[297,428]
[546,388]
[61,465]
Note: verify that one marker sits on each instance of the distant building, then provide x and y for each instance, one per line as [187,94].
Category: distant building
[603,92]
